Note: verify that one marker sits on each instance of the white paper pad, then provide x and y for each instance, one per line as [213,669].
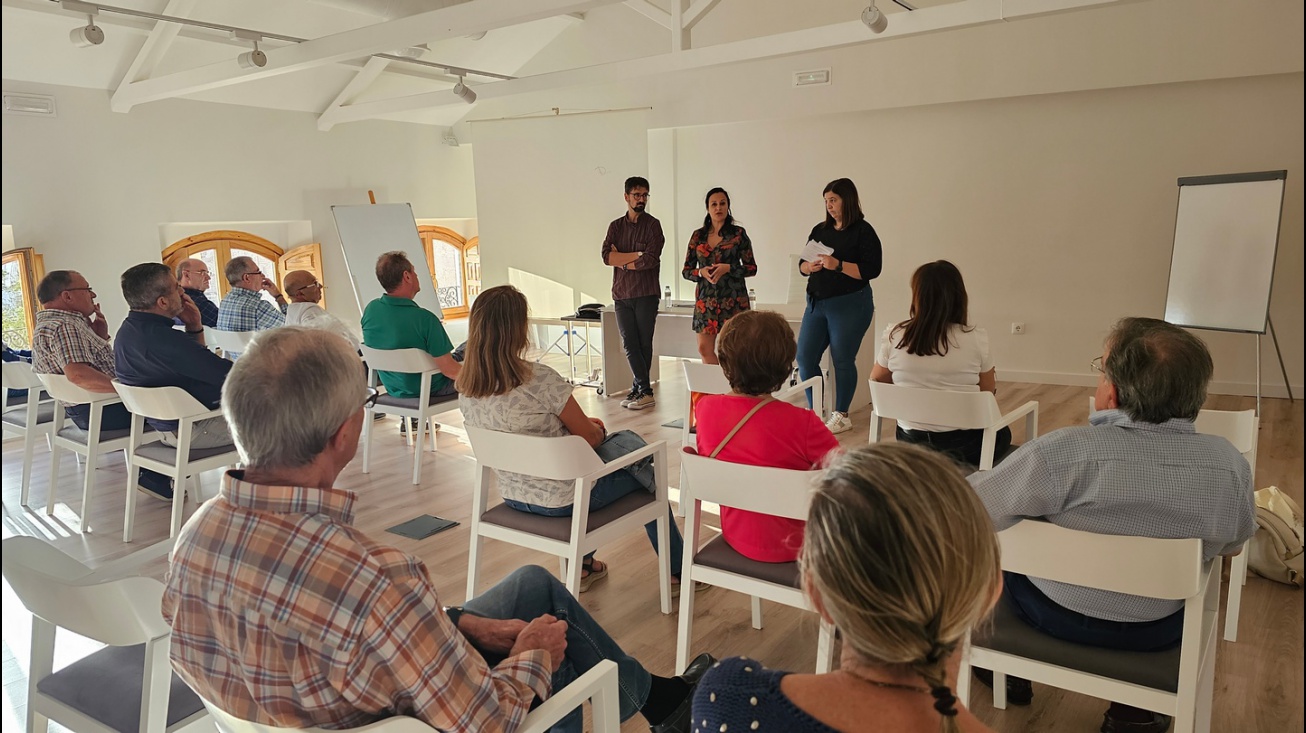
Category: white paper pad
[814,250]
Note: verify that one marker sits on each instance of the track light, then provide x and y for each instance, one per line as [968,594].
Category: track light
[91,35]
[464,92]
[255,59]
[874,19]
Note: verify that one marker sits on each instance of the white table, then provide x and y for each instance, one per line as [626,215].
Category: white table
[674,337]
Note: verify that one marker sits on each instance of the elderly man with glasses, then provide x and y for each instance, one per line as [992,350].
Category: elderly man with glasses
[285,614]
[194,277]
[305,307]
[244,308]
[1139,469]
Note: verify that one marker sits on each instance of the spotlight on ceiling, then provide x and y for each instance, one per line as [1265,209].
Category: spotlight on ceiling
[255,59]
[90,35]
[874,19]
[476,36]
[464,92]
[410,52]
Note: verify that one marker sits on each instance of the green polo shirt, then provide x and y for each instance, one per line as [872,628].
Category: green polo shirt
[400,323]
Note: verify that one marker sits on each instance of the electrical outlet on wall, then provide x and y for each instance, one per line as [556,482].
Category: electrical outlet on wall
[1018,328]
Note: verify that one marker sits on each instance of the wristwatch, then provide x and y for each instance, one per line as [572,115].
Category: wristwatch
[839,267]
[454,613]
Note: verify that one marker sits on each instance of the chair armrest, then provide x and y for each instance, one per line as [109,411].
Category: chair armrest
[205,415]
[630,458]
[563,701]
[1016,414]
[803,386]
[130,565]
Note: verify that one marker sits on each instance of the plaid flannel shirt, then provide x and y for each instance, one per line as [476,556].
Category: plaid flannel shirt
[63,337]
[246,310]
[284,614]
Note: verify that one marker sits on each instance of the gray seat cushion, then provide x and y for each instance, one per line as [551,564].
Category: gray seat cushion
[411,402]
[18,415]
[107,687]
[76,434]
[720,555]
[168,454]
[559,528]
[1008,633]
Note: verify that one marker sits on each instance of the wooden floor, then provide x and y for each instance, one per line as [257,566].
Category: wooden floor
[1259,680]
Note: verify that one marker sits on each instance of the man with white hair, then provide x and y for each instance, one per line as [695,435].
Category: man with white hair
[194,277]
[244,308]
[284,614]
[305,307]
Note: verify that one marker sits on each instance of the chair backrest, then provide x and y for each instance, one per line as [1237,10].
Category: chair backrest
[700,379]
[61,388]
[566,458]
[19,375]
[1141,566]
[959,410]
[159,403]
[228,723]
[234,341]
[1239,428]
[780,492]
[57,588]
[408,361]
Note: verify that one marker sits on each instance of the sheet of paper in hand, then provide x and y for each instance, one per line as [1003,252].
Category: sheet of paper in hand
[813,251]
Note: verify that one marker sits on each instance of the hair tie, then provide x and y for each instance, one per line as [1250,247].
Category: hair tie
[944,701]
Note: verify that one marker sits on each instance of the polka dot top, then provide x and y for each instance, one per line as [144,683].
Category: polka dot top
[739,695]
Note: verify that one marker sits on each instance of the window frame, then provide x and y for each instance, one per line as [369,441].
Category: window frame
[30,271]
[428,234]
[220,240]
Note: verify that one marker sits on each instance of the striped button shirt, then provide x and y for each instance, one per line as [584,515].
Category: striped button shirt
[247,310]
[1121,477]
[284,614]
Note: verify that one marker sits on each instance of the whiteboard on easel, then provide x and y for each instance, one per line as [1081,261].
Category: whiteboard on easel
[1225,241]
[368,231]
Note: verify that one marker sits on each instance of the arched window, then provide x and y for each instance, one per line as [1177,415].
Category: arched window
[23,269]
[455,268]
[215,249]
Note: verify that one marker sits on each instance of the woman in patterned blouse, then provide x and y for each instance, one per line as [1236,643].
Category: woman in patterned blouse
[720,256]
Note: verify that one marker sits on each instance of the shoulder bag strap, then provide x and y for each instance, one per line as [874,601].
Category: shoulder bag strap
[740,424]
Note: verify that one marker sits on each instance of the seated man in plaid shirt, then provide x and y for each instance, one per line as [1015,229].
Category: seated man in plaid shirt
[244,309]
[284,614]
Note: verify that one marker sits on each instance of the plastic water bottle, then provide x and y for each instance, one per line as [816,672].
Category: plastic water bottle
[666,297]
[752,298]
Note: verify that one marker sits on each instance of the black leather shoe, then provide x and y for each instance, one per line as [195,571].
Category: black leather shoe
[1019,691]
[1139,721]
[681,721]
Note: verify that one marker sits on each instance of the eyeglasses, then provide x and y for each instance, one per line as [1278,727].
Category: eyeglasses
[319,286]
[73,290]
[372,396]
[203,273]
[638,195]
[255,272]
[1097,366]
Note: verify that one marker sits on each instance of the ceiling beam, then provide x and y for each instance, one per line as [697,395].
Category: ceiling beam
[361,81]
[434,25]
[679,36]
[696,12]
[155,46]
[650,11]
[963,14]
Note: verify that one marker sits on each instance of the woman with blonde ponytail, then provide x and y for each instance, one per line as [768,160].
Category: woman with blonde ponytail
[900,555]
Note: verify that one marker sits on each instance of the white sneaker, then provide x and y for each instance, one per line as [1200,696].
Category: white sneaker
[839,423]
[642,402]
[630,397]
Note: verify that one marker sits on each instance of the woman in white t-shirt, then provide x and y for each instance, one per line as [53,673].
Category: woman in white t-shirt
[937,348]
[500,390]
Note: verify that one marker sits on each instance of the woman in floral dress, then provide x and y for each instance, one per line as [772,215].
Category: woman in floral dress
[720,256]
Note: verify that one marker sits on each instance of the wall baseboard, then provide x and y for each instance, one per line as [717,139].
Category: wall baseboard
[1247,389]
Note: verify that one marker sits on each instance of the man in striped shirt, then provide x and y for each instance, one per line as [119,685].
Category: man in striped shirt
[284,614]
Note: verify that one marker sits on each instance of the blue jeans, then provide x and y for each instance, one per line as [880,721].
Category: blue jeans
[1044,614]
[531,592]
[638,477]
[839,324]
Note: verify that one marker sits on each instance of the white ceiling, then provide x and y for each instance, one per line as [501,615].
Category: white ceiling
[538,41]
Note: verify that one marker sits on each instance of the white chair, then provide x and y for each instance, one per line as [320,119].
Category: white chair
[90,443]
[1242,429]
[230,342]
[408,361]
[568,458]
[776,491]
[598,685]
[706,379]
[957,410]
[1178,682]
[126,686]
[180,463]
[26,416]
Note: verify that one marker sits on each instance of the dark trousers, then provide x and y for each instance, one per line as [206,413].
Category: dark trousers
[635,320]
[1044,614]
[113,417]
[960,445]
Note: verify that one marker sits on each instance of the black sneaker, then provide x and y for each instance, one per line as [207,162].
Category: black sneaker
[679,721]
[630,397]
[154,485]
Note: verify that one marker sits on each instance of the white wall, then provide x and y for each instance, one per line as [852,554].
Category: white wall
[99,192]
[1059,209]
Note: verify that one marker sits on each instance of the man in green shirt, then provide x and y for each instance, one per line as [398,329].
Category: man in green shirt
[395,321]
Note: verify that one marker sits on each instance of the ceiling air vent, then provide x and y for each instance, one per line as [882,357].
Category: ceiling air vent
[811,78]
[36,105]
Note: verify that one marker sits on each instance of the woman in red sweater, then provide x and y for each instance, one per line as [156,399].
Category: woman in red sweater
[756,349]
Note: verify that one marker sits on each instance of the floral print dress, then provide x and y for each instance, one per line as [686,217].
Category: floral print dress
[716,304]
